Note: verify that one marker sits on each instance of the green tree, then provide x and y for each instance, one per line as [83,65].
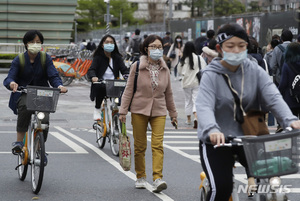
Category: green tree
[228,7]
[196,5]
[91,13]
[254,6]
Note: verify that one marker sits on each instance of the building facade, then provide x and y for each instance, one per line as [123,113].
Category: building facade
[55,19]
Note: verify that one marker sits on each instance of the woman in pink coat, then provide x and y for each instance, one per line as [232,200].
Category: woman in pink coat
[149,104]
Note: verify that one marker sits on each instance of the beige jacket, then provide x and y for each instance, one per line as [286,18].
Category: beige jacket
[145,100]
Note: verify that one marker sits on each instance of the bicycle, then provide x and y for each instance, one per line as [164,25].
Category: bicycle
[269,157]
[39,100]
[109,126]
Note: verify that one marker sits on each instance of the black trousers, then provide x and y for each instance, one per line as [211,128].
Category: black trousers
[217,165]
[98,92]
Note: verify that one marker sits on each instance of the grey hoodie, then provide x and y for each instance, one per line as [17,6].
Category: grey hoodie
[215,104]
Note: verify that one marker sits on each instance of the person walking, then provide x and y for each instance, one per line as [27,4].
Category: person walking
[107,64]
[176,50]
[290,69]
[219,116]
[149,104]
[167,42]
[188,68]
[35,72]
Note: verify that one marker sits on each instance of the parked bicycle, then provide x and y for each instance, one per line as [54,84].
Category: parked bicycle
[109,126]
[269,157]
[39,100]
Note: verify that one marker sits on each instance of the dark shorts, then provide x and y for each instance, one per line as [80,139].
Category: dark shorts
[24,115]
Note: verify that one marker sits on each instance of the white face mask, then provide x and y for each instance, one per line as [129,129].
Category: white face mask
[178,40]
[234,59]
[34,48]
[156,54]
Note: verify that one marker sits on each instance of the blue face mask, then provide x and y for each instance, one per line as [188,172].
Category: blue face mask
[156,54]
[109,47]
[234,59]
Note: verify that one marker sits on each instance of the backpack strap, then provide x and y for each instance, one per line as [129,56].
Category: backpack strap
[135,82]
[281,48]
[22,62]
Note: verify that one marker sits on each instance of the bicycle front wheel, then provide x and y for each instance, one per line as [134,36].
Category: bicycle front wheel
[38,164]
[114,137]
[202,194]
[99,134]
[22,169]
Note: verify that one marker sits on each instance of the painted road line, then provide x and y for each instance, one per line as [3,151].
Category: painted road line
[187,148]
[181,142]
[176,132]
[116,164]
[8,132]
[78,149]
[178,137]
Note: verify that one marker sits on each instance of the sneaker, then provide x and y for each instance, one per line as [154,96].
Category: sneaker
[140,183]
[159,185]
[97,113]
[279,129]
[188,123]
[45,160]
[17,147]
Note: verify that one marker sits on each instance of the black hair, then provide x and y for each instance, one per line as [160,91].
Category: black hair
[210,34]
[30,35]
[189,49]
[292,53]
[147,41]
[137,32]
[100,49]
[274,43]
[176,43]
[287,35]
[145,36]
[212,44]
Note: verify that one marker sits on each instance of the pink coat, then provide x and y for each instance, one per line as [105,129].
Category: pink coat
[145,100]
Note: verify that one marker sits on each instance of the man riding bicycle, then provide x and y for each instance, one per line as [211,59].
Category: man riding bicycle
[30,69]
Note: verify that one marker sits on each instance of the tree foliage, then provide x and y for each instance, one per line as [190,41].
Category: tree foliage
[197,6]
[91,13]
[228,7]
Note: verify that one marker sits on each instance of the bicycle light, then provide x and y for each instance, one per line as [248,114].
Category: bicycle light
[117,100]
[41,115]
[275,182]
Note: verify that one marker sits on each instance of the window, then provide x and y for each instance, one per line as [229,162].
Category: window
[178,6]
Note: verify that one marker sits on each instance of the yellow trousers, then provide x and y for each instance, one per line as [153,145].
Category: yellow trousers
[139,124]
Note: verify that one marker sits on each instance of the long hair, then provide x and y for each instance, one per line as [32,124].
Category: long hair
[292,53]
[189,49]
[100,49]
[176,43]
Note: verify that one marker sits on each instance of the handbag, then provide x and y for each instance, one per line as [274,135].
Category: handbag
[252,122]
[173,53]
[199,74]
[124,149]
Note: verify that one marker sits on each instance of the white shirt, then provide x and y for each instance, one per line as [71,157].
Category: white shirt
[108,73]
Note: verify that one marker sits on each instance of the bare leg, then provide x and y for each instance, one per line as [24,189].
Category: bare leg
[20,136]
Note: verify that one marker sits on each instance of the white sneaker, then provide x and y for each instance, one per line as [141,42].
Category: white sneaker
[97,114]
[159,185]
[140,183]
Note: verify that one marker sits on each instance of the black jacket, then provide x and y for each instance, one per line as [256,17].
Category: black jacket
[100,64]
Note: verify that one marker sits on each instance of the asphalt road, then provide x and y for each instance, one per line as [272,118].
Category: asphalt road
[78,170]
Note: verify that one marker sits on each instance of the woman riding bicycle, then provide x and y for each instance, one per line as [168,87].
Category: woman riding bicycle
[32,73]
[216,107]
[107,63]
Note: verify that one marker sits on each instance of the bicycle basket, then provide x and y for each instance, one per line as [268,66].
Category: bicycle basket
[272,155]
[43,99]
[115,88]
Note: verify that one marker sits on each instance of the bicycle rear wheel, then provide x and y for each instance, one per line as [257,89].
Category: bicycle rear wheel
[99,134]
[114,137]
[22,169]
[202,194]
[38,164]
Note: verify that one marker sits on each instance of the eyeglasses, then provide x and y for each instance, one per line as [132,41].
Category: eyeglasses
[155,47]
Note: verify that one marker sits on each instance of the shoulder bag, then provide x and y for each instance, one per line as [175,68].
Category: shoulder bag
[252,122]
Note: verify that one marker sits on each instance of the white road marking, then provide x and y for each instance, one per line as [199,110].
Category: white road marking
[129,174]
[8,132]
[78,149]
[178,137]
[181,142]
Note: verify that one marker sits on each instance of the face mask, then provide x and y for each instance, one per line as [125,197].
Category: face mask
[234,59]
[109,47]
[156,54]
[203,34]
[178,40]
[34,48]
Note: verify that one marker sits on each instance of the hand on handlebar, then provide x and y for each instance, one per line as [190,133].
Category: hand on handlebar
[295,124]
[13,86]
[95,79]
[63,89]
[217,138]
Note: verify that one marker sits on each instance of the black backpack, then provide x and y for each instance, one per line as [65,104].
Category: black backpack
[295,87]
[136,45]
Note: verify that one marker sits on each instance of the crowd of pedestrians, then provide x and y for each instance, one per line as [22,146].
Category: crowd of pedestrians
[229,61]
